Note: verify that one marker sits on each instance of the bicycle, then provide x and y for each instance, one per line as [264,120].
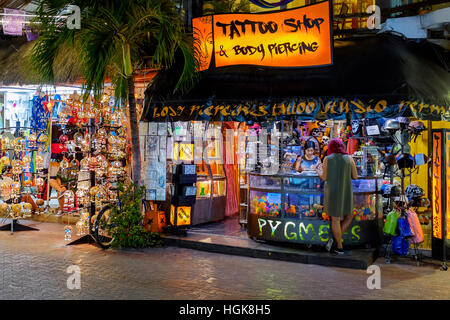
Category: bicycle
[103,225]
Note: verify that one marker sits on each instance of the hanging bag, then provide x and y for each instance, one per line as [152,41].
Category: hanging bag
[415,226]
[400,245]
[390,226]
[404,228]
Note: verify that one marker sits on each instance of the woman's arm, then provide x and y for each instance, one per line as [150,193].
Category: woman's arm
[354,171]
[323,176]
[297,164]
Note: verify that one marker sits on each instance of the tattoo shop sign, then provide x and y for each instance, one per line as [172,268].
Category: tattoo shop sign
[292,38]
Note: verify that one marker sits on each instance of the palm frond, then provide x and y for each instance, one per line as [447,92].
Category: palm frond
[227,6]
[188,75]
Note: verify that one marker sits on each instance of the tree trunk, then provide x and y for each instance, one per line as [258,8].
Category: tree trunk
[134,127]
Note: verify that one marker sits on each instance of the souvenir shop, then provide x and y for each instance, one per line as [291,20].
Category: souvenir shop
[71,154]
[245,116]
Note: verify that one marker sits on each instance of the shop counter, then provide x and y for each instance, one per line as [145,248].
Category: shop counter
[289,208]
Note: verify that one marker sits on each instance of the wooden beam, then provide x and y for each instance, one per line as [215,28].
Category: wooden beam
[3,3]
[27,2]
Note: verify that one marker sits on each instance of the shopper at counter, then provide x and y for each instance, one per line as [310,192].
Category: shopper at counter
[338,171]
[309,161]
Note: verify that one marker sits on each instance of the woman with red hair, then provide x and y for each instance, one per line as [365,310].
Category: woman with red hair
[338,171]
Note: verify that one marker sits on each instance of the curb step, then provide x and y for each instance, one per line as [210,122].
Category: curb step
[356,259]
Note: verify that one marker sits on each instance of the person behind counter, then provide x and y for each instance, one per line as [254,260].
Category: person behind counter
[309,161]
[338,171]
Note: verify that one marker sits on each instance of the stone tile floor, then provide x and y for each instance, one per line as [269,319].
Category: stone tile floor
[33,266]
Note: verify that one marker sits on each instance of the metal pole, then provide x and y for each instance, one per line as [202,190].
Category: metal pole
[47,185]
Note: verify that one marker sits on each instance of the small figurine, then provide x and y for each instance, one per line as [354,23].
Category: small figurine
[292,209]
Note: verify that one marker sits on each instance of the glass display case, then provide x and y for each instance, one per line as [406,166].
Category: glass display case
[211,193]
[298,199]
[211,180]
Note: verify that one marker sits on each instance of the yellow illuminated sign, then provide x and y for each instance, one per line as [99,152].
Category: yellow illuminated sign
[183,215]
[291,38]
[447,146]
[437,184]
[183,151]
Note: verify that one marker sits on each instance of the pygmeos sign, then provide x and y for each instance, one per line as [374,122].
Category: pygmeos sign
[292,38]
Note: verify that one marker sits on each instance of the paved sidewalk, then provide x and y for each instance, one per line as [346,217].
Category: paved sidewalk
[33,266]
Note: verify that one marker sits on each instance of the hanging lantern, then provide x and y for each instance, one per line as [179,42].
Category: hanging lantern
[81,115]
[27,210]
[83,197]
[69,199]
[6,143]
[64,114]
[92,112]
[16,187]
[26,162]
[39,161]
[17,166]
[100,171]
[115,117]
[92,163]
[4,161]
[63,138]
[78,139]
[101,161]
[85,145]
[84,164]
[27,185]
[74,164]
[42,138]
[39,182]
[104,99]
[4,209]
[121,143]
[101,194]
[6,189]
[93,191]
[122,131]
[101,133]
[40,202]
[32,138]
[19,144]
[85,216]
[116,167]
[80,227]
[120,155]
[70,147]
[64,164]
[16,208]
